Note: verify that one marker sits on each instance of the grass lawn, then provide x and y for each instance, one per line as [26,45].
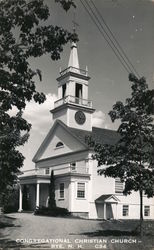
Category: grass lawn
[6,221]
[124,235]
[119,235]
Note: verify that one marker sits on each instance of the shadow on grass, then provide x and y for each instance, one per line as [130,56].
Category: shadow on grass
[9,217]
[110,233]
[3,225]
[6,221]
[11,244]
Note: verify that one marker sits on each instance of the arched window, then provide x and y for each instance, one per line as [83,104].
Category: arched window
[59,144]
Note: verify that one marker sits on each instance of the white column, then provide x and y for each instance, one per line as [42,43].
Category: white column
[59,92]
[37,194]
[20,198]
[104,211]
[71,195]
[116,211]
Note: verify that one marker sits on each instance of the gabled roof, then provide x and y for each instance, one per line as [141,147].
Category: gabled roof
[99,135]
[107,198]
[44,144]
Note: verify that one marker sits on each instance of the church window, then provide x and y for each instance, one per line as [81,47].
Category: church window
[81,190]
[125,210]
[118,186]
[59,144]
[47,171]
[63,90]
[146,210]
[78,91]
[61,191]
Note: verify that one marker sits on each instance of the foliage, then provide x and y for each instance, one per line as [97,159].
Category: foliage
[55,211]
[132,157]
[23,35]
[10,200]
[66,4]
[52,202]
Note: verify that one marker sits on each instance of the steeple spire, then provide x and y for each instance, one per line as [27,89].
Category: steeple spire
[73,106]
[73,59]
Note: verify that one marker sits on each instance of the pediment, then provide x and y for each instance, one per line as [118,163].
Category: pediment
[109,198]
[59,141]
[112,199]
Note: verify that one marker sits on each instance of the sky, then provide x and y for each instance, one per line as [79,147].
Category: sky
[132,22]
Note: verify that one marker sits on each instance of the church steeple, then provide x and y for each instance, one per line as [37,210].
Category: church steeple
[73,106]
[73,60]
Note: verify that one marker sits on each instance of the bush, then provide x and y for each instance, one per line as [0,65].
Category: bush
[10,200]
[55,211]
[10,208]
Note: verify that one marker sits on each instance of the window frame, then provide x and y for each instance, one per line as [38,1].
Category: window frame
[119,186]
[59,144]
[61,190]
[147,209]
[125,210]
[78,90]
[81,192]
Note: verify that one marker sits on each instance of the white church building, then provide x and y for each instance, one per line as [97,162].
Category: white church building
[65,150]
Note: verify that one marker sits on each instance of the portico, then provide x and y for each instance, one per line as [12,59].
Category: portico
[107,206]
[37,185]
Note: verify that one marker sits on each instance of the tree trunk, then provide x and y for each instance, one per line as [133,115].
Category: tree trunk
[141,212]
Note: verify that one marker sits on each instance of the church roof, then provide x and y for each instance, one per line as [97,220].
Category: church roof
[104,197]
[99,135]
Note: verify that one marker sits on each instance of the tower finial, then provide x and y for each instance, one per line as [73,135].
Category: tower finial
[75,24]
[73,60]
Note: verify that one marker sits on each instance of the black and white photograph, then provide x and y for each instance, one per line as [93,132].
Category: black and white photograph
[77,124]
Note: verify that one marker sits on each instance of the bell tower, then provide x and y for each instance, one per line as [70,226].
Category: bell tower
[73,106]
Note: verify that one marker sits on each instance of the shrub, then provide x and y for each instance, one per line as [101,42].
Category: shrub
[52,201]
[55,211]
[10,200]
[10,208]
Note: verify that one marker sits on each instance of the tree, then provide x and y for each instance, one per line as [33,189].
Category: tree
[23,35]
[52,202]
[132,157]
[10,201]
